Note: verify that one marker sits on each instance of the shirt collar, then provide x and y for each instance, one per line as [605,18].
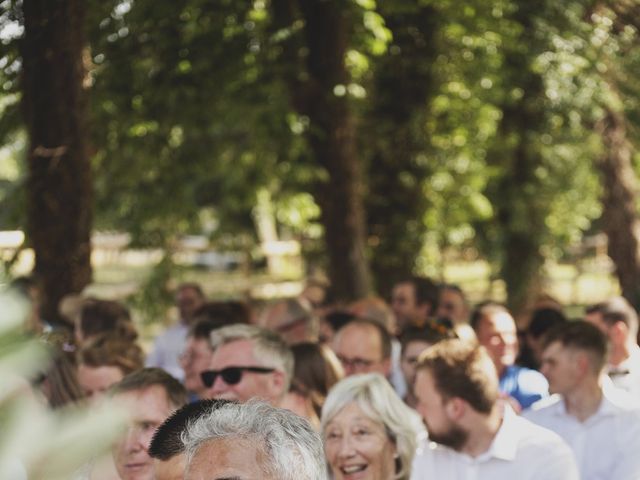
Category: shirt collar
[504,445]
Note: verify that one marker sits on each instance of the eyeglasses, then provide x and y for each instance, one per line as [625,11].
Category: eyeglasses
[230,375]
[355,363]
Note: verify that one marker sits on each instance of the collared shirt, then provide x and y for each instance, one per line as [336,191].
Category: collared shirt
[520,450]
[525,385]
[167,350]
[626,376]
[606,445]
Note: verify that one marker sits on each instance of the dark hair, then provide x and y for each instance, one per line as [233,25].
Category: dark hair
[483,310]
[338,319]
[615,310]
[224,313]
[149,377]
[433,332]
[581,335]
[385,337]
[543,320]
[106,316]
[425,291]
[313,373]
[167,441]
[112,351]
[462,369]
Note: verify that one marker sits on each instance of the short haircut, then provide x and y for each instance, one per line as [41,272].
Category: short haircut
[167,442]
[425,291]
[378,401]
[617,309]
[111,351]
[290,446]
[383,333]
[463,369]
[583,336]
[484,310]
[149,377]
[269,347]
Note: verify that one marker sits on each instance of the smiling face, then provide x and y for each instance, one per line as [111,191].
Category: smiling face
[497,333]
[357,447]
[240,353]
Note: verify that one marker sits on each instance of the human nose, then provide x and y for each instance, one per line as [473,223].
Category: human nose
[219,385]
[347,447]
[133,440]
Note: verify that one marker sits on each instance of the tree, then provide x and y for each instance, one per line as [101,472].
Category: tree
[59,184]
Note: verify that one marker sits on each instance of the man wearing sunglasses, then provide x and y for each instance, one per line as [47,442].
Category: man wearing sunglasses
[248,362]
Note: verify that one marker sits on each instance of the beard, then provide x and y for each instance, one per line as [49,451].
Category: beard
[453,437]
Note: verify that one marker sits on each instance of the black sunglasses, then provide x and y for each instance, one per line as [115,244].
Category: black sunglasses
[230,375]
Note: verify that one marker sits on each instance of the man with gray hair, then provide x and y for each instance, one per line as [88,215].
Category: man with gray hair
[248,362]
[253,440]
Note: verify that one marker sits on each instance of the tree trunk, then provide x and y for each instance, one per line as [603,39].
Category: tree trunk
[403,85]
[620,200]
[331,137]
[59,188]
[520,205]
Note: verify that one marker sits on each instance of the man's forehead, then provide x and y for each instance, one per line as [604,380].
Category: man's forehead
[143,400]
[234,351]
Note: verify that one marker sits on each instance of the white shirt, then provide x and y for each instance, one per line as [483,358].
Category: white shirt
[167,349]
[626,376]
[606,445]
[519,451]
[397,377]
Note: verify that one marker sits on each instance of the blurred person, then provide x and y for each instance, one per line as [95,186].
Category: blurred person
[149,396]
[472,434]
[316,370]
[225,313]
[166,447]
[103,362]
[363,346]
[28,289]
[618,320]
[542,320]
[452,304]
[170,344]
[59,382]
[331,322]
[601,426]
[375,308]
[248,362]
[99,317]
[414,300]
[197,354]
[368,432]
[293,319]
[495,329]
[252,441]
[414,341]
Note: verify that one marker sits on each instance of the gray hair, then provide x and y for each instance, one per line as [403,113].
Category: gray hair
[269,347]
[293,449]
[377,399]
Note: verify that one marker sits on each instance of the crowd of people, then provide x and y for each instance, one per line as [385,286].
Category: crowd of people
[424,386]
